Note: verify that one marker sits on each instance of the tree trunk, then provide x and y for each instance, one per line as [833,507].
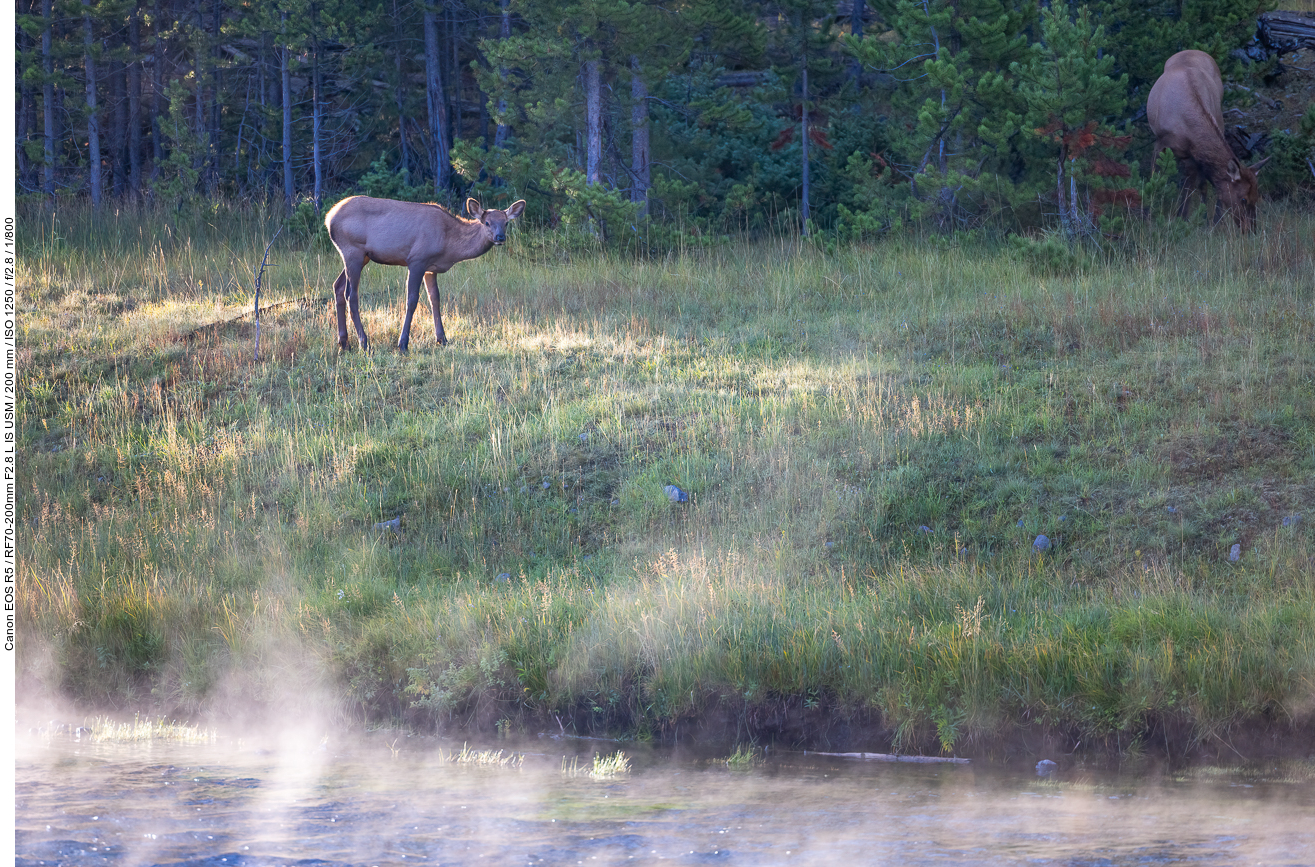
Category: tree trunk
[500,135]
[317,119]
[639,153]
[199,155]
[135,102]
[286,71]
[93,122]
[401,103]
[437,104]
[1065,224]
[593,102]
[804,123]
[454,78]
[216,82]
[856,29]
[23,129]
[157,93]
[48,100]
[119,132]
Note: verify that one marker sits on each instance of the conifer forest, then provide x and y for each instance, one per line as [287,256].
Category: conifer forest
[650,121]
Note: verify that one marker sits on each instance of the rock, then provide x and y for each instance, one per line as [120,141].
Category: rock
[924,529]
[503,577]
[1045,768]
[395,525]
[1291,520]
[1235,553]
[675,494]
[1042,543]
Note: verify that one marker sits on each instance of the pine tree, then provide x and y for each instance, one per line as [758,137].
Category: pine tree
[958,144]
[1145,33]
[805,44]
[1071,100]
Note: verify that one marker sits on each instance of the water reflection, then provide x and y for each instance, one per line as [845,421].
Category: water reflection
[242,805]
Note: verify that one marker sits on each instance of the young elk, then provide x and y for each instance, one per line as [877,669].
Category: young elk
[426,239]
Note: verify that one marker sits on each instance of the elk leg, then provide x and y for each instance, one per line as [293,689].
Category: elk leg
[340,306]
[354,305]
[413,278]
[431,286]
[1193,182]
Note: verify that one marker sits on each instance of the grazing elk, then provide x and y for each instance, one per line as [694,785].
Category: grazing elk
[1186,114]
[425,238]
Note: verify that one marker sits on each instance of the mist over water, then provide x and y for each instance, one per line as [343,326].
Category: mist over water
[297,799]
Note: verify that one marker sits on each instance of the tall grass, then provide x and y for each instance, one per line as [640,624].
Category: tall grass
[871,438]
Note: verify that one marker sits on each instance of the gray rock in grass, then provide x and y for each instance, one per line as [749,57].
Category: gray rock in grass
[1045,768]
[675,494]
[1235,553]
[1042,543]
[395,525]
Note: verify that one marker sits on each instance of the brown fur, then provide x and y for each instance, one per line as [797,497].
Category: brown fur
[1185,111]
[426,239]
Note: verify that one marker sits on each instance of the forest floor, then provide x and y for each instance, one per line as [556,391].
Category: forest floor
[1274,101]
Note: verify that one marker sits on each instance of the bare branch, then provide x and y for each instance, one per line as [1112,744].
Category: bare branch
[260,274]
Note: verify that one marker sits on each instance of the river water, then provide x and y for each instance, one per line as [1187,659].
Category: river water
[396,802]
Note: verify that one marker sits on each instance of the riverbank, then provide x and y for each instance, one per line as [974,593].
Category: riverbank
[934,491]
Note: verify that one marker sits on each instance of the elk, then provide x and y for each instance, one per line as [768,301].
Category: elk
[426,239]
[1185,113]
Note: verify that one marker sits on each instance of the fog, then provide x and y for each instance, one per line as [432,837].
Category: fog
[300,793]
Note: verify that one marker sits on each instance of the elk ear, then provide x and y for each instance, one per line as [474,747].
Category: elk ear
[473,208]
[516,209]
[1234,170]
[1256,167]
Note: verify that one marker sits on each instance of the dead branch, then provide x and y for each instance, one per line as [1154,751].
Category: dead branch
[260,274]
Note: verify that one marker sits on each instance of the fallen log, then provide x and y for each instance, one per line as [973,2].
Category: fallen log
[887,757]
[1286,31]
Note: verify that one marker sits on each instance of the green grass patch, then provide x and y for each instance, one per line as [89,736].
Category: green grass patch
[871,440]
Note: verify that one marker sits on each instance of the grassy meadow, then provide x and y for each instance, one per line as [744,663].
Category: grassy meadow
[871,438]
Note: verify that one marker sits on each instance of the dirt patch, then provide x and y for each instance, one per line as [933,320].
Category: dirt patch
[1198,456]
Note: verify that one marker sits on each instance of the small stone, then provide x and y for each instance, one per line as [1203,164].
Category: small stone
[546,484]
[1291,520]
[1063,518]
[1235,553]
[675,494]
[1045,768]
[1171,510]
[1020,523]
[1042,543]
[395,524]
[924,529]
[503,576]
